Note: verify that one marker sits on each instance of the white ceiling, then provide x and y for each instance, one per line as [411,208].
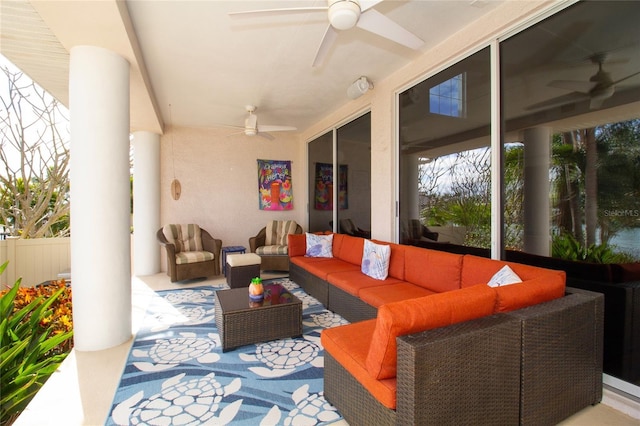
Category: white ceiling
[208,66]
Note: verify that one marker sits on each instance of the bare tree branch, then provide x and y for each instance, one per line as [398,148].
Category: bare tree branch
[34,174]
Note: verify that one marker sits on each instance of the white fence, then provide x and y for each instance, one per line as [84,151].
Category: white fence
[35,260]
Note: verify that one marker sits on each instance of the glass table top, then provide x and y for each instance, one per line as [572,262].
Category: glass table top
[238,298]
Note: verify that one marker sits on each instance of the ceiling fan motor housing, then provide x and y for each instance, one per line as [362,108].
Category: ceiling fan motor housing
[343,14]
[251,123]
[603,84]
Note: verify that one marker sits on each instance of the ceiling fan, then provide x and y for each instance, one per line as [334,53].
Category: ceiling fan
[252,128]
[599,88]
[344,15]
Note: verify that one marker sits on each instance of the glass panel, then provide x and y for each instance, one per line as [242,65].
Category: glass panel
[354,177]
[321,183]
[571,114]
[445,182]
[447,98]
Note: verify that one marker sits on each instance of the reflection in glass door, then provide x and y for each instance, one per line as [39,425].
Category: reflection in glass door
[320,160]
[445,153]
[354,177]
[341,186]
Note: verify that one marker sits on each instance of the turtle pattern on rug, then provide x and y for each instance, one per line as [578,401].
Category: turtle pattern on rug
[177,374]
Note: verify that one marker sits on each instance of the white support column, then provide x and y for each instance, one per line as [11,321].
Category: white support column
[146,202]
[410,207]
[497,157]
[537,156]
[100,204]
[409,201]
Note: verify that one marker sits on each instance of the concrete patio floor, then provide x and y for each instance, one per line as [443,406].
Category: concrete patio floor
[81,391]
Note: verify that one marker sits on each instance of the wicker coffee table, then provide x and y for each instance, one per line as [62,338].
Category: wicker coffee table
[241,322]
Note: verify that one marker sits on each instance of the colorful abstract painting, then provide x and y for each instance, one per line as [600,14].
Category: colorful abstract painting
[275,190]
[323,199]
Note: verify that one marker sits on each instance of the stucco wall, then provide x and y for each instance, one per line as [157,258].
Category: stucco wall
[219,178]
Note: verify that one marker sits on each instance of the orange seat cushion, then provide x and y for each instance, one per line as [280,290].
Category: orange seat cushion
[349,345]
[381,295]
[424,313]
[305,261]
[354,281]
[329,266]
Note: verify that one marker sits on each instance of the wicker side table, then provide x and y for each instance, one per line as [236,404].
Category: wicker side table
[241,323]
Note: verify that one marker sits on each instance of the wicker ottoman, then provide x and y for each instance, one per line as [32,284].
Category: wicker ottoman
[241,268]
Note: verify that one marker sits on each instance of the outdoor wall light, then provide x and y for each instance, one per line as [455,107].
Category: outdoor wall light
[359,87]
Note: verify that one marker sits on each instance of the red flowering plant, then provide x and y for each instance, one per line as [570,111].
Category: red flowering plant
[35,337]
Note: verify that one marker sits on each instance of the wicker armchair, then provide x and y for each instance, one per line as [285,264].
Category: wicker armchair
[191,251]
[271,244]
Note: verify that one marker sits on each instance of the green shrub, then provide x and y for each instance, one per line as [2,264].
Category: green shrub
[566,246]
[31,345]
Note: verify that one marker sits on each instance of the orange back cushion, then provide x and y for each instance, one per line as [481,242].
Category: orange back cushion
[531,292]
[424,313]
[337,243]
[297,244]
[539,284]
[479,270]
[396,261]
[434,270]
[349,248]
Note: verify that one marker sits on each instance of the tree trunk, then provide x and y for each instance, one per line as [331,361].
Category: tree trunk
[591,185]
[573,191]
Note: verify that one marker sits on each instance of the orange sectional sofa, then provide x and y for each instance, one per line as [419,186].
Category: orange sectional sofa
[434,344]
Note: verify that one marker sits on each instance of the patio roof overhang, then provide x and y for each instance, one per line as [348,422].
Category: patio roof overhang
[37,37]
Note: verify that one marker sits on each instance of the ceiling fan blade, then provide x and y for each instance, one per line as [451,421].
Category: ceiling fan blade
[559,101]
[228,126]
[625,78]
[266,136]
[377,23]
[284,11]
[241,132]
[273,128]
[573,85]
[368,4]
[328,39]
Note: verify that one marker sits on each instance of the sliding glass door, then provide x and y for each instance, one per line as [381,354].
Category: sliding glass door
[340,184]
[566,123]
[445,168]
[320,166]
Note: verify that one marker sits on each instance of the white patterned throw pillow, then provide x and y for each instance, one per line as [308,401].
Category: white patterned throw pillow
[504,276]
[319,245]
[375,260]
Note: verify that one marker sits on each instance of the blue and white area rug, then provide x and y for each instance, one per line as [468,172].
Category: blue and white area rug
[177,374]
